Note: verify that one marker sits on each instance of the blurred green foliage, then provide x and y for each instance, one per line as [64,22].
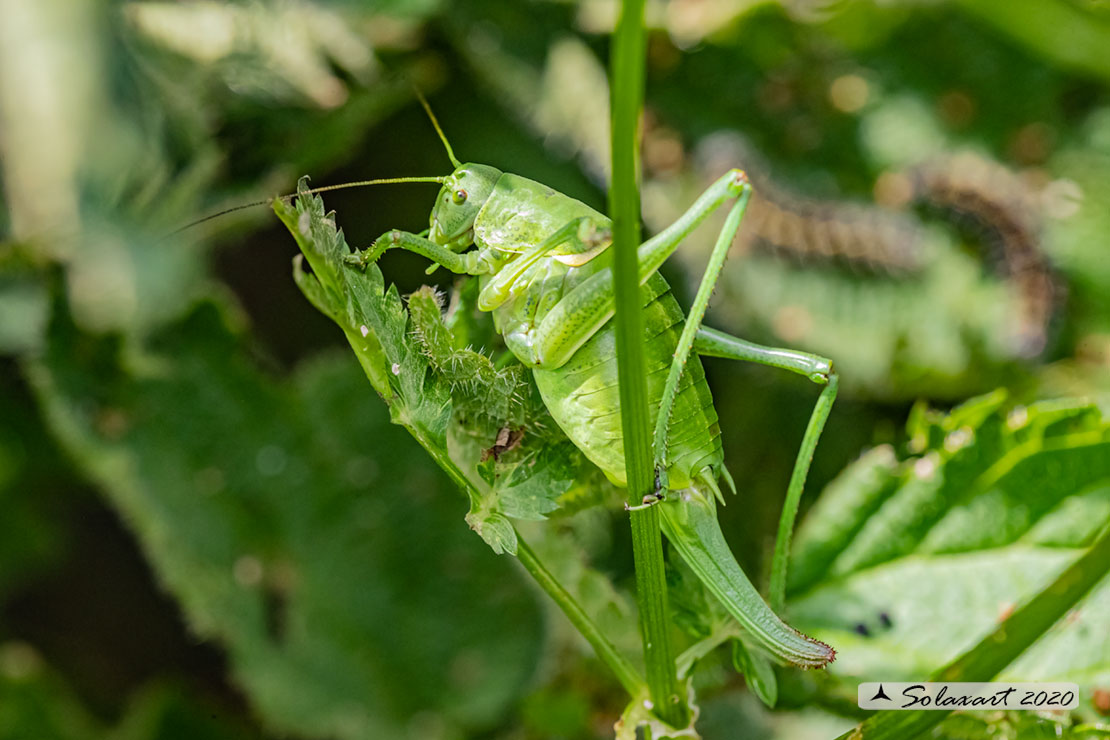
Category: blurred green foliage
[179,380]
[252,507]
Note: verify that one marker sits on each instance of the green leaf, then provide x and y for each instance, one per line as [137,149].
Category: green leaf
[904,565]
[529,480]
[840,513]
[523,483]
[338,578]
[499,397]
[24,305]
[1022,725]
[1001,645]
[502,428]
[757,670]
[494,529]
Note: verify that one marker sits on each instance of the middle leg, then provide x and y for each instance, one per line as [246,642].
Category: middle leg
[713,343]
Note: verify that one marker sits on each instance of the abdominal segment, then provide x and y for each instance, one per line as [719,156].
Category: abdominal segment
[583,397]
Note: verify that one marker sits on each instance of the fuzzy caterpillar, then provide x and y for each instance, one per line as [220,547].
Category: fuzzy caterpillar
[1005,211]
[875,239]
[997,206]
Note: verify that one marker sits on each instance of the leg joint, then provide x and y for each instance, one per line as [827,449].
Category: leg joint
[823,373]
[738,181]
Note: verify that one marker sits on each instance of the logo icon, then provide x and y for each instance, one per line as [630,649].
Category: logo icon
[880,694]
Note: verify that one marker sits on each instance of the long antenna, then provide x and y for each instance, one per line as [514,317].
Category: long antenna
[435,122]
[360,183]
[324,189]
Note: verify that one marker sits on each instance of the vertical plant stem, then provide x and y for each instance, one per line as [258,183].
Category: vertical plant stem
[629,677]
[651,596]
[627,75]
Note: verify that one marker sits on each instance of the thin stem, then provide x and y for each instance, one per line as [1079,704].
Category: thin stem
[629,677]
[624,205]
[794,492]
[628,61]
[651,595]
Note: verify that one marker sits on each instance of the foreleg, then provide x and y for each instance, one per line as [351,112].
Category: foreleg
[468,263]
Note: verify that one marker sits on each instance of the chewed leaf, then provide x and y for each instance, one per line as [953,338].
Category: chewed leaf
[522,483]
[528,481]
[499,397]
[483,423]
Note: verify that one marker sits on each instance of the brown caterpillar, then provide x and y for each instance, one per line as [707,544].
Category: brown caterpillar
[1007,213]
[859,236]
[1002,208]
[874,238]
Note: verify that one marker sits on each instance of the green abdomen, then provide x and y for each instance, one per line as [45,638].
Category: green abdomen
[583,398]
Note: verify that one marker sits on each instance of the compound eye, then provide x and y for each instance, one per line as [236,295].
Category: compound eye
[459,196]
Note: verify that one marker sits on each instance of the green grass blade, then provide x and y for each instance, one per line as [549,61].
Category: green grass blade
[628,61]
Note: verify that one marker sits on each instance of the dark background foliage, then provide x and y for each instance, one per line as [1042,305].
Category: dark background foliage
[210,528]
